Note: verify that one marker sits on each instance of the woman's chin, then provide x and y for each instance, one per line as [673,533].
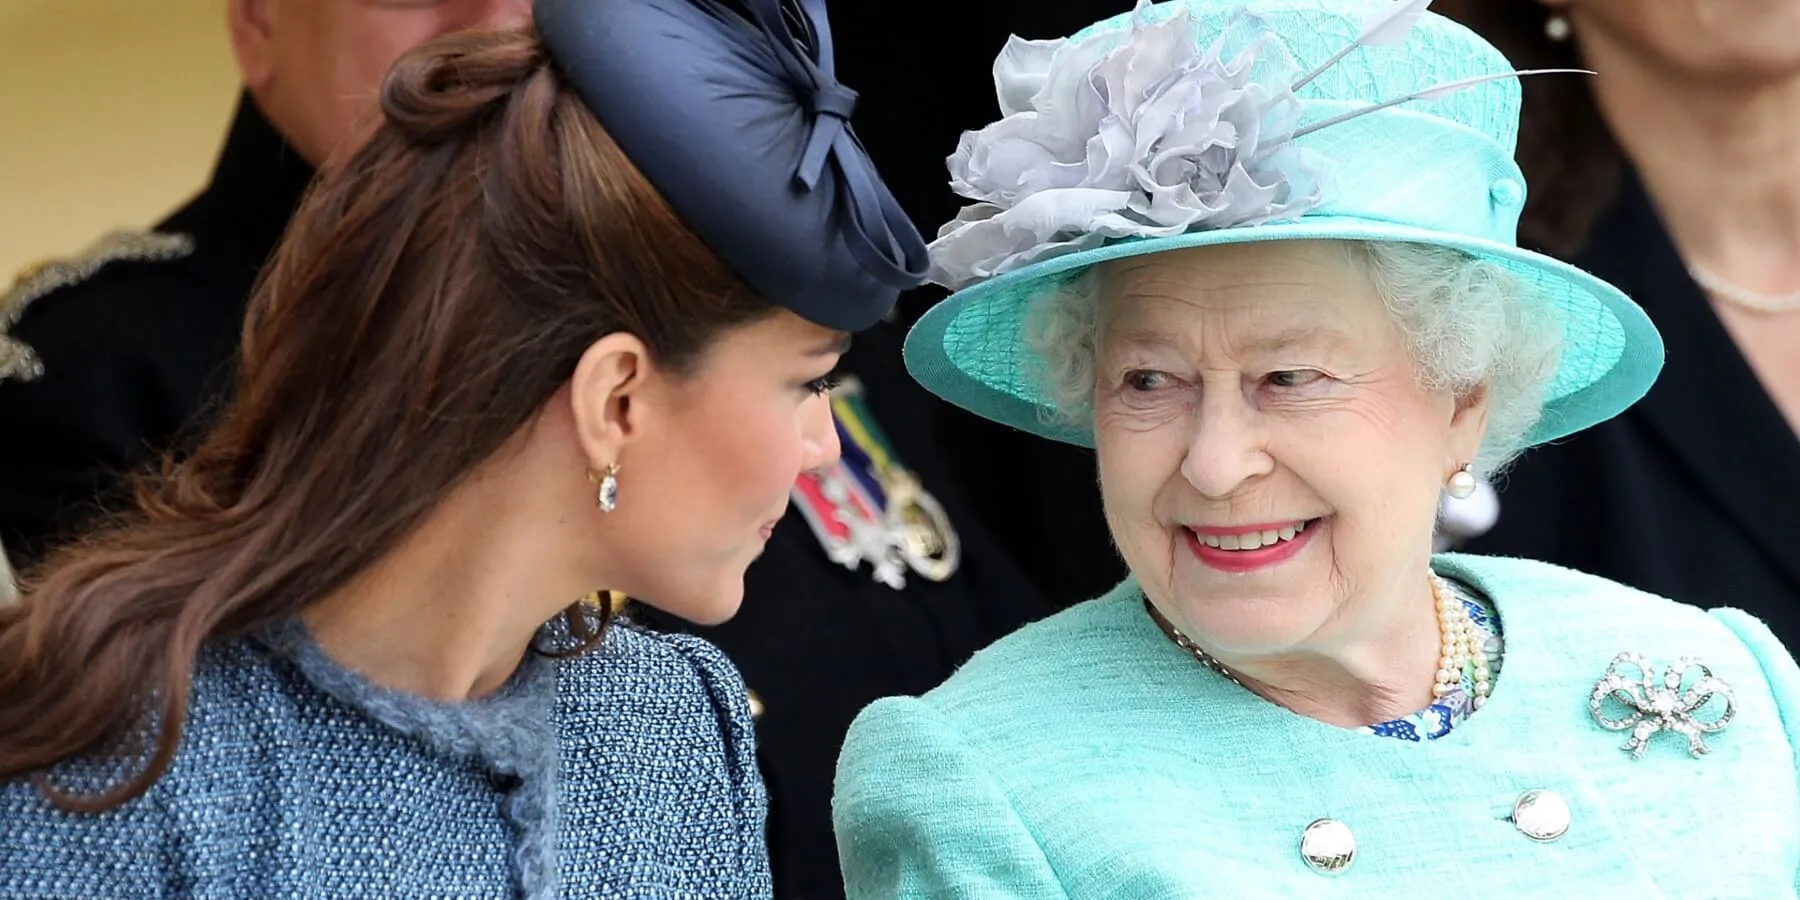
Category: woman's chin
[701,607]
[720,608]
[1251,613]
[1241,638]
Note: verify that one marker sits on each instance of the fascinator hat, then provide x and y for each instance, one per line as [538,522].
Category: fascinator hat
[1194,123]
[732,110]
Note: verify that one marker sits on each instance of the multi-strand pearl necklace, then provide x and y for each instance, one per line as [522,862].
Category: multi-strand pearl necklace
[1457,640]
[1458,651]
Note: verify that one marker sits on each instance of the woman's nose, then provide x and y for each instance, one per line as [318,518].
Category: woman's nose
[820,436]
[1226,448]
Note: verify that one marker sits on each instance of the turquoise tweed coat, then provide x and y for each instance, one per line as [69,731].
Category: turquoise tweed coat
[1087,756]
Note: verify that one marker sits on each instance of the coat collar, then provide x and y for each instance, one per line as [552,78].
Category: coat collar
[257,185]
[1708,406]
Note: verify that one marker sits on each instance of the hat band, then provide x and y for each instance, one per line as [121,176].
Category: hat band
[1417,170]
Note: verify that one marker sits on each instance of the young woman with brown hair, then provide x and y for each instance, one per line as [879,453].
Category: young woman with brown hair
[514,350]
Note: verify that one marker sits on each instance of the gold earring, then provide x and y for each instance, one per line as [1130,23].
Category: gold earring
[606,487]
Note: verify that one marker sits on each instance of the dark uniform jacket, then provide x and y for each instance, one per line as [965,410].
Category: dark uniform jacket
[133,339]
[135,354]
[1694,493]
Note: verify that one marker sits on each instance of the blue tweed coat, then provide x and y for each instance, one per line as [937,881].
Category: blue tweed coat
[627,772]
[1087,756]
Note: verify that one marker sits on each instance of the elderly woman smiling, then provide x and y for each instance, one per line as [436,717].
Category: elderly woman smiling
[1251,402]
[1262,261]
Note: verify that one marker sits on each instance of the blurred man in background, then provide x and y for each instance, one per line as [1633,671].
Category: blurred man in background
[115,357]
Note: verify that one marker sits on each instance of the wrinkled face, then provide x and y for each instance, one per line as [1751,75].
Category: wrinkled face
[316,66]
[701,490]
[1750,39]
[1270,465]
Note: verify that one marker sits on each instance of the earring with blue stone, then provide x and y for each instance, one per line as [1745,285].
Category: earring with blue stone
[606,487]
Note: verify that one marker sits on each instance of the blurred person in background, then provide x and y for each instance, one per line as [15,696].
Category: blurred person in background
[1674,174]
[116,356]
[878,582]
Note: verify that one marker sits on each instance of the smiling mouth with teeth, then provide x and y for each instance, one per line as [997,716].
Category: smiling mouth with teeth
[1253,540]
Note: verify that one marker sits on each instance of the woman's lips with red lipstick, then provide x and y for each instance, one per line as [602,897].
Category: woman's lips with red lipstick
[1245,548]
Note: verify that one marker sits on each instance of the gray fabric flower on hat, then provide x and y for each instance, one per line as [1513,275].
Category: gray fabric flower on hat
[1126,134]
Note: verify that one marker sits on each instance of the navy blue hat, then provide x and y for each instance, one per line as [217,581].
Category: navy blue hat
[738,121]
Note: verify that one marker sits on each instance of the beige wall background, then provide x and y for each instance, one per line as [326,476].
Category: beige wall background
[111,112]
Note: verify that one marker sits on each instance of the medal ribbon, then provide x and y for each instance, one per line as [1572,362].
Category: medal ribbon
[918,531]
[865,445]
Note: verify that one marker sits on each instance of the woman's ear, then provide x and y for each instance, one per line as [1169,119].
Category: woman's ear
[605,396]
[1468,424]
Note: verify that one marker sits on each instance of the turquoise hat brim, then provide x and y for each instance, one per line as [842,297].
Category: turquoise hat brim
[970,349]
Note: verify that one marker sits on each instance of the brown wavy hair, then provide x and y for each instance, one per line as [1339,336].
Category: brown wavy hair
[430,296]
[1568,153]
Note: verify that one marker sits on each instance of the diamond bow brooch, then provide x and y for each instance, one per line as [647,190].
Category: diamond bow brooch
[1668,706]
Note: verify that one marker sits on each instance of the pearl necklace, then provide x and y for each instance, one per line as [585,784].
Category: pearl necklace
[1457,640]
[1743,296]
[1456,636]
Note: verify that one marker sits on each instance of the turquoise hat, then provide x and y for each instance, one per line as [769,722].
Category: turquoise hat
[1193,123]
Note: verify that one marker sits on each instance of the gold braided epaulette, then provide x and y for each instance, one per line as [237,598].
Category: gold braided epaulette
[18,360]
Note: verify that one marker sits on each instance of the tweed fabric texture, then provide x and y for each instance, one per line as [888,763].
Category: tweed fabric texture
[625,772]
[1087,756]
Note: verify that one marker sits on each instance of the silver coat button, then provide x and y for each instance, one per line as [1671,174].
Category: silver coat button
[1542,816]
[1328,847]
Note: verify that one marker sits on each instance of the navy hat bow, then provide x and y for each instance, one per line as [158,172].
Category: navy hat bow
[735,115]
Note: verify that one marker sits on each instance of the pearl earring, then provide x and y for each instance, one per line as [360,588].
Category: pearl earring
[606,487]
[1461,484]
[1556,28]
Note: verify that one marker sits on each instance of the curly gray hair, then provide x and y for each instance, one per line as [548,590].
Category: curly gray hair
[1468,324]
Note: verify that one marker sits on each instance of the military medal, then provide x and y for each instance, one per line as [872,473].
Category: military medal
[867,507]
[848,522]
